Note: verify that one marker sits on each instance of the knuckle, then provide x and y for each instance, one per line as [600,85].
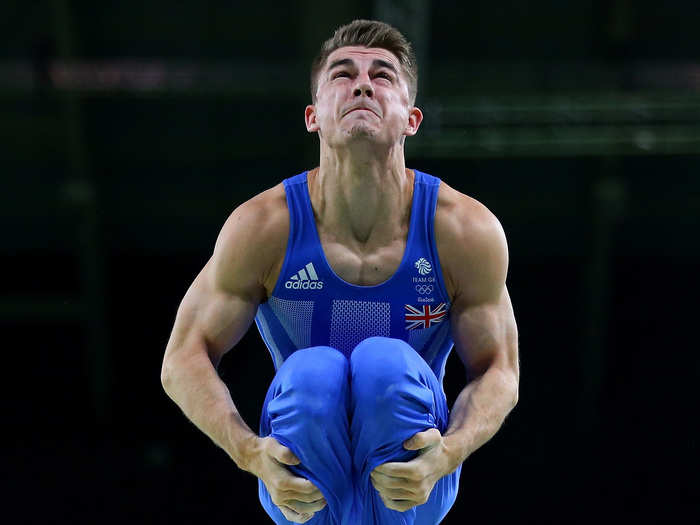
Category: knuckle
[307,487]
[281,484]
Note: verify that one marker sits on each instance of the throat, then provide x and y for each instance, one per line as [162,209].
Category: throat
[363,229]
[366,210]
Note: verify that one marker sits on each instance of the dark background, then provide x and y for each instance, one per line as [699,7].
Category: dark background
[130,130]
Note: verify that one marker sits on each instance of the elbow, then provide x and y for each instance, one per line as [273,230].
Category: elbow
[509,386]
[514,397]
[509,383]
[177,367]
[166,376]
[171,369]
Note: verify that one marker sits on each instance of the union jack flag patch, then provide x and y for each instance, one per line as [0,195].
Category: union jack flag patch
[424,316]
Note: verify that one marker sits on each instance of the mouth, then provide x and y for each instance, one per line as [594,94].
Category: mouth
[360,109]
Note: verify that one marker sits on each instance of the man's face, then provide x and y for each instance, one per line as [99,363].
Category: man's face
[362,94]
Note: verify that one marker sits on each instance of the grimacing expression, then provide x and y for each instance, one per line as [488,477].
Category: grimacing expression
[362,93]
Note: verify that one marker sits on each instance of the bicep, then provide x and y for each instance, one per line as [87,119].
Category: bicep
[211,318]
[486,335]
[476,255]
[221,303]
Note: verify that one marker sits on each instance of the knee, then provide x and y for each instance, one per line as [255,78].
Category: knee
[389,389]
[317,379]
[378,365]
[379,356]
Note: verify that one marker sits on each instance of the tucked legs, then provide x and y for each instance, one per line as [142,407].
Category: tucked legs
[395,395]
[306,410]
[342,418]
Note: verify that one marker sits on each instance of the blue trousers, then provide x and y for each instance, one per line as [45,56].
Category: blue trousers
[343,417]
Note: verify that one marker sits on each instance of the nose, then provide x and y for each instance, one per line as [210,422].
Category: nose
[363,88]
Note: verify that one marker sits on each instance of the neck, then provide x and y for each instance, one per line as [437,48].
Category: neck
[361,196]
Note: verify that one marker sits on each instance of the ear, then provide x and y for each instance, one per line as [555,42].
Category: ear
[310,118]
[415,117]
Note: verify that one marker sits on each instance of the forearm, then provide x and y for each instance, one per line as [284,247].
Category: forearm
[193,384]
[479,412]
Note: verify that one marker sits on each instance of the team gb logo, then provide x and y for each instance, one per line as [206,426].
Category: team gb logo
[423,266]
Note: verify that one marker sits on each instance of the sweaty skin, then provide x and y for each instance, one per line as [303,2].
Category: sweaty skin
[361,194]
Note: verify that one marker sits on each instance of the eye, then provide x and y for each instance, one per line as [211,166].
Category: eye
[383,74]
[341,74]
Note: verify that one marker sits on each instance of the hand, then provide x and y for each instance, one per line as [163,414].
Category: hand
[296,497]
[405,485]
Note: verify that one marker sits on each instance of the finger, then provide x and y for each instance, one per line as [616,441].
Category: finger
[294,516]
[291,514]
[305,508]
[400,505]
[382,480]
[397,493]
[299,485]
[409,489]
[423,439]
[284,454]
[300,496]
[406,470]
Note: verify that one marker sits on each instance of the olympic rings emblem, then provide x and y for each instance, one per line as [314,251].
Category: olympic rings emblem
[424,289]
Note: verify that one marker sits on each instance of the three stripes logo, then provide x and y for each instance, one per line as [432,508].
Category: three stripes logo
[304,279]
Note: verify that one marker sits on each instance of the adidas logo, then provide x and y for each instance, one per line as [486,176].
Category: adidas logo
[304,279]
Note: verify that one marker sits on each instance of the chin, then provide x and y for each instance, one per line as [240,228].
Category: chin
[361,130]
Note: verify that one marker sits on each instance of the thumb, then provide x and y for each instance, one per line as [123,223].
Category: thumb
[423,439]
[284,455]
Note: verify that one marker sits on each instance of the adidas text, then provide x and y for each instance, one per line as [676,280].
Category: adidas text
[304,285]
[305,279]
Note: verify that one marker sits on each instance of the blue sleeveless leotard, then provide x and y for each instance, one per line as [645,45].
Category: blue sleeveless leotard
[359,369]
[311,306]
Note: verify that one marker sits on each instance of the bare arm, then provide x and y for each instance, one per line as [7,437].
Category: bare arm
[474,258]
[483,326]
[189,376]
[484,403]
[215,313]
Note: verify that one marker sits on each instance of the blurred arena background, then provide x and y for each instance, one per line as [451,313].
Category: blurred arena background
[130,130]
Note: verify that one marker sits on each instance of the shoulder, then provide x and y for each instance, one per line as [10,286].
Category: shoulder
[471,244]
[253,241]
[460,217]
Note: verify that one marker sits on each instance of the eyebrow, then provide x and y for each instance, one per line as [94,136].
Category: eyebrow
[375,63]
[384,63]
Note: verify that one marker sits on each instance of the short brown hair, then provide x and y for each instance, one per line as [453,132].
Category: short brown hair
[369,33]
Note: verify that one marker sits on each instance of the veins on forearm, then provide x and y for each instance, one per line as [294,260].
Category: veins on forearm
[481,408]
